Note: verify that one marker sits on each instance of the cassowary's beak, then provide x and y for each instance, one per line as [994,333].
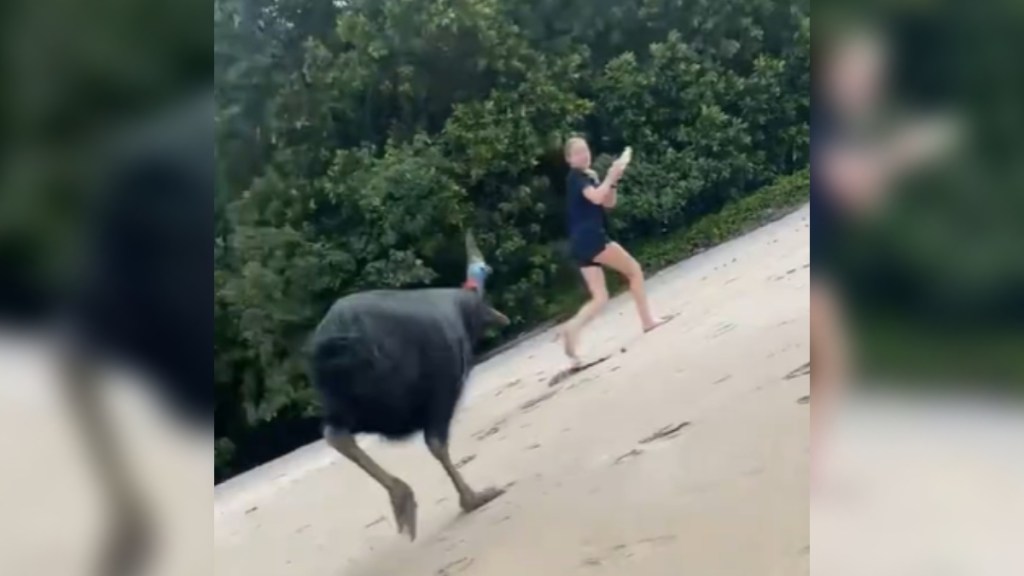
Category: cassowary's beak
[499,318]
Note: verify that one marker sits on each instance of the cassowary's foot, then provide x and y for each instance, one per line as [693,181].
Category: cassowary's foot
[480,499]
[403,502]
[129,548]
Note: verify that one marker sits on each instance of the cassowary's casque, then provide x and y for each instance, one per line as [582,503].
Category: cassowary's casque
[394,363]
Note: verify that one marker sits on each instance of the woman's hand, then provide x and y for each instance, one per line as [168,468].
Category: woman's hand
[926,141]
[616,170]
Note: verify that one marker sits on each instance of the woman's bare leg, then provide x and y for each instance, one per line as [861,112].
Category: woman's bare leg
[828,346]
[829,359]
[615,257]
[594,278]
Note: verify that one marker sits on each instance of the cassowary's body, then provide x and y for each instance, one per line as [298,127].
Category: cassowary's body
[145,292]
[394,362]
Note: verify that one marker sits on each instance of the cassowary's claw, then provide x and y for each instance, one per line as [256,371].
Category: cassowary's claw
[403,502]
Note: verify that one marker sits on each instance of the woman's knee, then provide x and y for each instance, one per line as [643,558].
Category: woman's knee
[633,272]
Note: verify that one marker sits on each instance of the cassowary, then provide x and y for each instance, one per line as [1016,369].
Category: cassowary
[144,296]
[394,362]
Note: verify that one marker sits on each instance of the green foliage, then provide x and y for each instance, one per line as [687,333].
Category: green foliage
[736,219]
[356,141]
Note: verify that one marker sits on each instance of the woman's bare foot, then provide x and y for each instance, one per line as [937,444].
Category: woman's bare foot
[569,342]
[657,322]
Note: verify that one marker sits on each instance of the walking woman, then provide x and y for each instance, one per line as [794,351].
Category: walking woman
[590,246]
[858,156]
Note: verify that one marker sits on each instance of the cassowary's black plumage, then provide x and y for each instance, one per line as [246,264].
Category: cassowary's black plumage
[394,363]
[144,294]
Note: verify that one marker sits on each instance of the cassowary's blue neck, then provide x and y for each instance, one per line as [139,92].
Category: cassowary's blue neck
[476,276]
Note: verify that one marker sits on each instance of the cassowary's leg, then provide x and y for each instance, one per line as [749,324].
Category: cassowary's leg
[128,549]
[468,499]
[403,501]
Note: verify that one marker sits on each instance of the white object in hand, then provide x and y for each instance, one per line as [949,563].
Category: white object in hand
[626,156]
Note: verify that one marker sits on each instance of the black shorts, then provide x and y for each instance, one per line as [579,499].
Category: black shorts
[826,232]
[585,243]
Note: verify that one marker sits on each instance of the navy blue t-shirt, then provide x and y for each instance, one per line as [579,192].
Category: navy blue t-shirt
[826,221]
[582,213]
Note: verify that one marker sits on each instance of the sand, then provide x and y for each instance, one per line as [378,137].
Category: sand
[53,512]
[685,452]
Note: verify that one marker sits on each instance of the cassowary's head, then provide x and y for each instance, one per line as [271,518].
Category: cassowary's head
[479,315]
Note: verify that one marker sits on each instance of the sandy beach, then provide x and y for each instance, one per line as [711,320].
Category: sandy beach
[684,452]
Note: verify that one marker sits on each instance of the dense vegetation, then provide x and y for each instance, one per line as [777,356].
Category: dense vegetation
[357,140]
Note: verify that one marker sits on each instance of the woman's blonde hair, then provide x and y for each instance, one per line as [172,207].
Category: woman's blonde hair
[568,146]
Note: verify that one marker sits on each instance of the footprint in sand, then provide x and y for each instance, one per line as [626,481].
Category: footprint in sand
[379,520]
[627,456]
[723,328]
[666,432]
[572,370]
[581,382]
[508,386]
[456,567]
[494,429]
[621,552]
[803,370]
[537,401]
[670,431]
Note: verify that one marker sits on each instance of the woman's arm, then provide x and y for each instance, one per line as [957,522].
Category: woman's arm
[862,177]
[606,190]
[613,197]
[920,143]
